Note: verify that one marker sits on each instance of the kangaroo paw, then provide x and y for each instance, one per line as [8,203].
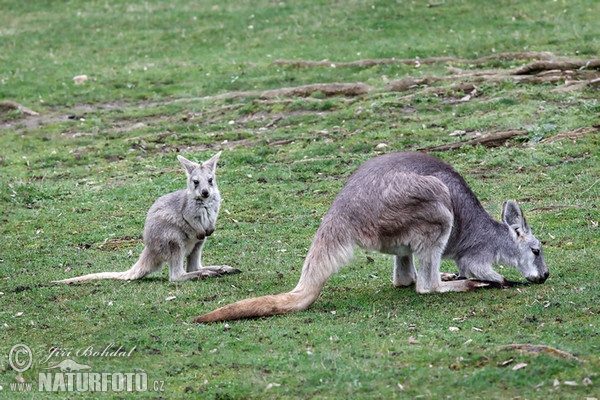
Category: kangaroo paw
[448,276]
[201,274]
[456,286]
[501,285]
[223,269]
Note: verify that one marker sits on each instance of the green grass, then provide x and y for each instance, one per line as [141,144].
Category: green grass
[74,194]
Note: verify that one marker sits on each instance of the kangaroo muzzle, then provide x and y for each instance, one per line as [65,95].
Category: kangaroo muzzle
[539,279]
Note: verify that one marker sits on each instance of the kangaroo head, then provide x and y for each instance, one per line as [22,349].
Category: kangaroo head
[201,179]
[528,257]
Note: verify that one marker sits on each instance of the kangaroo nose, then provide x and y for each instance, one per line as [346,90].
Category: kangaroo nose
[545,276]
[205,193]
[540,279]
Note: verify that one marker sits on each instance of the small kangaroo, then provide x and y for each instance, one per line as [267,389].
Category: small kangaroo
[176,228]
[404,204]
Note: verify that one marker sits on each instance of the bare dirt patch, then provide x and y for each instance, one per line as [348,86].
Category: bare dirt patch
[461,85]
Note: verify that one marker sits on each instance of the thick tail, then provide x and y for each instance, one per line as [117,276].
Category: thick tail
[145,265]
[326,256]
[264,306]
[100,275]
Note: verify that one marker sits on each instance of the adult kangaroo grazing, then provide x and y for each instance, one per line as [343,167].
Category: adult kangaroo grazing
[405,204]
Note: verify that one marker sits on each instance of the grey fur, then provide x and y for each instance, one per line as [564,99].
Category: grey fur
[413,203]
[407,204]
[176,228]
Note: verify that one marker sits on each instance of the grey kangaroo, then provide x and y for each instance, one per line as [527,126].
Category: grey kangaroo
[405,204]
[176,228]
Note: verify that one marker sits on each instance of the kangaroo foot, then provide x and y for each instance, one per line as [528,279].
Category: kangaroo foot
[222,269]
[456,286]
[501,285]
[448,276]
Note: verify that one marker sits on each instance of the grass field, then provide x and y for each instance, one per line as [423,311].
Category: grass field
[80,164]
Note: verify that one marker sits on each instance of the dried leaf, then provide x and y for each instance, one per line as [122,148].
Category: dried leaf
[412,340]
[587,381]
[519,366]
[170,298]
[79,79]
[571,383]
[457,132]
[539,385]
[19,378]
[454,328]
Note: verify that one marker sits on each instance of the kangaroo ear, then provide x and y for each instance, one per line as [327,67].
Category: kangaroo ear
[187,164]
[212,162]
[513,217]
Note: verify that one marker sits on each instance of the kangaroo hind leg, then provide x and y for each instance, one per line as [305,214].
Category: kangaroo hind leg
[429,244]
[430,280]
[405,273]
[194,264]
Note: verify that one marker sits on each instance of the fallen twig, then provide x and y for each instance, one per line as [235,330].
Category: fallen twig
[575,134]
[412,61]
[11,105]
[328,90]
[538,348]
[561,65]
[494,139]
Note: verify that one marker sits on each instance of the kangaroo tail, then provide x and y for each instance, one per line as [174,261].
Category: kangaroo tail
[264,306]
[326,255]
[144,266]
[100,275]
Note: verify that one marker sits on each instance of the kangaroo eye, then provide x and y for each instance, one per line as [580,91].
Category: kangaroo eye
[196,182]
[210,181]
[535,252]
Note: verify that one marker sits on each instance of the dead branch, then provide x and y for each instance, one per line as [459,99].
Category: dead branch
[405,84]
[499,138]
[11,105]
[494,139]
[307,99]
[573,79]
[575,134]
[416,61]
[327,89]
[464,87]
[561,65]
[538,348]
[571,86]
